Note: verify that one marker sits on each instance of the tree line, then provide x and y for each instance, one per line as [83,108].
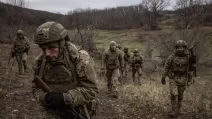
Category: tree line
[147,15]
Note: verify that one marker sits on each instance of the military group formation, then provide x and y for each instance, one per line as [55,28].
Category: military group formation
[116,62]
[70,76]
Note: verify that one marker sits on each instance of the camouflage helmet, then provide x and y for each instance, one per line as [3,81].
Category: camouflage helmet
[125,49]
[112,43]
[50,32]
[135,51]
[19,32]
[181,43]
[118,46]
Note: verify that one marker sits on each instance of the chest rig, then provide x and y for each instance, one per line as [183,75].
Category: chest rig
[20,45]
[112,59]
[136,61]
[180,64]
[59,76]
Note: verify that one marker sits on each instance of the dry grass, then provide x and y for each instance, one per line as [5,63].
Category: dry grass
[154,96]
[149,100]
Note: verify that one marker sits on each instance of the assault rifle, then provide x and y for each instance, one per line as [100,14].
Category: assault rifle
[192,65]
[192,61]
[42,85]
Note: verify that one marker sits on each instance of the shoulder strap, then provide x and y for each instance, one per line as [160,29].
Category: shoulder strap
[70,63]
[42,67]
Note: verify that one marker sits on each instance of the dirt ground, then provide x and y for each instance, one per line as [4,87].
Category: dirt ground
[17,101]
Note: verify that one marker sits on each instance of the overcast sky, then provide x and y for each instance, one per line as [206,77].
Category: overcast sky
[63,6]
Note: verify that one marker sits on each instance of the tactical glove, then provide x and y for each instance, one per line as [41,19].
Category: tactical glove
[163,80]
[55,100]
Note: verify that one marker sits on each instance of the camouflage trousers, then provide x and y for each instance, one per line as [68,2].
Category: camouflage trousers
[126,68]
[177,86]
[112,79]
[21,60]
[138,71]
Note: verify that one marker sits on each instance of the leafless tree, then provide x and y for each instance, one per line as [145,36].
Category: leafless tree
[84,32]
[153,8]
[189,12]
[16,15]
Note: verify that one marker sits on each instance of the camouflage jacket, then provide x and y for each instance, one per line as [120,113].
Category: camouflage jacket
[73,75]
[20,45]
[176,65]
[136,61]
[112,60]
[127,57]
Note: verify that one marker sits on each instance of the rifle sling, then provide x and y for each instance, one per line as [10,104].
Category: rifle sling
[41,71]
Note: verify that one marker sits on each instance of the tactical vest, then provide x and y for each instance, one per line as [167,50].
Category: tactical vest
[180,64]
[112,59]
[126,57]
[59,77]
[20,45]
[136,61]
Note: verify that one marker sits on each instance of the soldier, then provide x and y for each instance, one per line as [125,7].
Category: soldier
[69,73]
[121,71]
[176,68]
[136,63]
[20,48]
[112,60]
[126,60]
[118,46]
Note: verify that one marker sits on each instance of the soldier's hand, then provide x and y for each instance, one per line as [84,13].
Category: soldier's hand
[55,100]
[163,81]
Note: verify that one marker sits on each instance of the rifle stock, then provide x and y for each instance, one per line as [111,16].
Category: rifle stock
[41,84]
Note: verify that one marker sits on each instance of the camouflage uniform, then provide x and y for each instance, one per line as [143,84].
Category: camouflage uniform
[126,61]
[112,60]
[20,48]
[71,77]
[136,63]
[121,69]
[176,68]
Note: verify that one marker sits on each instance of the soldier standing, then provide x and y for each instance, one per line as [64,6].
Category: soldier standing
[112,60]
[20,48]
[69,73]
[177,69]
[126,60]
[136,63]
[121,71]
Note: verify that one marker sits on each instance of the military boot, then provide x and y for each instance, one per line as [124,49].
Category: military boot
[114,94]
[173,112]
[134,80]
[139,80]
[179,105]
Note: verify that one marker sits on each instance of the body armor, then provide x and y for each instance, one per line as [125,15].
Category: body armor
[112,60]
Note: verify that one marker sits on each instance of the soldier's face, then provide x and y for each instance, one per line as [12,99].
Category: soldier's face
[113,47]
[52,53]
[136,54]
[20,36]
[180,49]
